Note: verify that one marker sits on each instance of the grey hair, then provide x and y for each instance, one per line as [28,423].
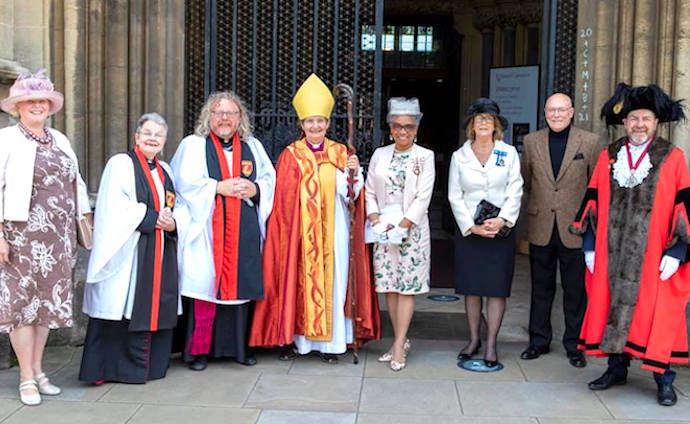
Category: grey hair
[153,117]
[203,125]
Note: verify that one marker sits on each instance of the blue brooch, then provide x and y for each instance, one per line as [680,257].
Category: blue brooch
[500,157]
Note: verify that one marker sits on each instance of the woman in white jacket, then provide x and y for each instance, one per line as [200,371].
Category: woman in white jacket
[484,169]
[401,176]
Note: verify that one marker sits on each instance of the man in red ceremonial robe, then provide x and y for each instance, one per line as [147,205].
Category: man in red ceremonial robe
[635,223]
[306,256]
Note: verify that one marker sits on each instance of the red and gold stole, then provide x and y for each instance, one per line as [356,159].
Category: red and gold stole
[317,215]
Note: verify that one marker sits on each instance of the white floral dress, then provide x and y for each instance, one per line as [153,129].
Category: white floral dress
[36,286]
[402,268]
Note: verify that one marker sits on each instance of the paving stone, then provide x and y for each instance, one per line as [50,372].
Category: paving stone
[409,396]
[509,399]
[437,419]
[637,400]
[432,359]
[60,412]
[580,421]
[167,414]
[215,386]
[8,407]
[303,417]
[267,363]
[313,365]
[299,392]
[554,367]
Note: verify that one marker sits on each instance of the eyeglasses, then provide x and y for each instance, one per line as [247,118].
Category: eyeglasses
[553,110]
[398,127]
[484,119]
[225,114]
[148,134]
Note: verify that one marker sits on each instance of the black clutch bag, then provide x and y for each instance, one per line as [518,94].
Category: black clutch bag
[486,210]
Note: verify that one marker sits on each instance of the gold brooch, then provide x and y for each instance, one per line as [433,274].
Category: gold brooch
[618,107]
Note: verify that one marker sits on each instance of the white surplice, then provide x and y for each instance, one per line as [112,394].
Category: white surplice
[112,273]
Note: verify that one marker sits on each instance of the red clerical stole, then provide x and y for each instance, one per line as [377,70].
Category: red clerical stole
[226,224]
[158,254]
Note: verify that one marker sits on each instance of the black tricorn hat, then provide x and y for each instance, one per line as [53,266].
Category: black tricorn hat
[487,106]
[651,97]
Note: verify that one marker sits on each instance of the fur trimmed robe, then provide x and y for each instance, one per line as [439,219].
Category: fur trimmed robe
[629,308]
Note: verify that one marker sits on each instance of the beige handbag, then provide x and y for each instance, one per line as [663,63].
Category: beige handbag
[84,232]
[84,228]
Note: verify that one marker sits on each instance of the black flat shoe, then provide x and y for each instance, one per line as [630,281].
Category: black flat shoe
[577,359]
[462,356]
[287,354]
[249,360]
[533,352]
[666,395]
[329,358]
[199,364]
[607,380]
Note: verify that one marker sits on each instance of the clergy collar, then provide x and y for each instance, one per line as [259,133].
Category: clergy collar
[315,147]
[152,164]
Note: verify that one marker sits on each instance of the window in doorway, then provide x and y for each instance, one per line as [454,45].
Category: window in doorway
[409,38]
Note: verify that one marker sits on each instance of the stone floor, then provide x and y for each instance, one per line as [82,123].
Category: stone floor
[432,389]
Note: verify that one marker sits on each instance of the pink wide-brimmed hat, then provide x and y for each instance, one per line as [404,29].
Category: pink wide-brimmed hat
[32,87]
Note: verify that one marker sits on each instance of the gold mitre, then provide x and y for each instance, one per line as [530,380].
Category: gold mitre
[313,98]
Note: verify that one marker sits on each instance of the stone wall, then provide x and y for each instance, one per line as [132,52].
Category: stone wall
[639,43]
[113,60]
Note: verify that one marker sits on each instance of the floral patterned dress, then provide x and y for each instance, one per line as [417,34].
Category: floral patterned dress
[402,268]
[36,286]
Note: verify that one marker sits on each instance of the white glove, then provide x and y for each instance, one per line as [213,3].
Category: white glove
[669,266]
[397,235]
[381,227]
[589,260]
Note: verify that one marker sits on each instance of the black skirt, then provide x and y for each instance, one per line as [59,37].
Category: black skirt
[230,331]
[484,266]
[113,353]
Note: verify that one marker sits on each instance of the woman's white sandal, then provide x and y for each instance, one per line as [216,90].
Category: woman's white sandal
[386,357]
[33,397]
[45,387]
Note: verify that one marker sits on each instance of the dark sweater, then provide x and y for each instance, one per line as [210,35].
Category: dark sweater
[557,143]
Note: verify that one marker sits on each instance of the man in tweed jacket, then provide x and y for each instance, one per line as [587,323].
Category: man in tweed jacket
[557,163]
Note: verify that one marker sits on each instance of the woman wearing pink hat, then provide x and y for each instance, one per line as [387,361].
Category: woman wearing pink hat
[41,194]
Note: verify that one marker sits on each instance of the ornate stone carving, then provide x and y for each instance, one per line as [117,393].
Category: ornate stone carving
[485,18]
[531,13]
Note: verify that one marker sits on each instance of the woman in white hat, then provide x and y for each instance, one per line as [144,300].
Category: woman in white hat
[399,186]
[41,194]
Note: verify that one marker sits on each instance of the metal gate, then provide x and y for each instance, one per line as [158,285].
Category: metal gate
[264,49]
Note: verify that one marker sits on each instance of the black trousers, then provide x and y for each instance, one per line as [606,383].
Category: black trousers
[543,261]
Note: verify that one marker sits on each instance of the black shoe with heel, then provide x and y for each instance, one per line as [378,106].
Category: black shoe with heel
[462,356]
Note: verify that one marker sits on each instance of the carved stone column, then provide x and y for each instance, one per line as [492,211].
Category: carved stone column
[485,20]
[508,18]
[115,60]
